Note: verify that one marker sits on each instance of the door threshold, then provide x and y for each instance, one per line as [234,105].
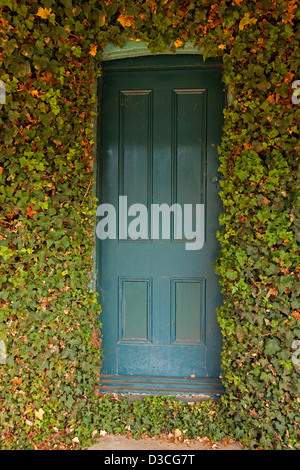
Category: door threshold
[181,388]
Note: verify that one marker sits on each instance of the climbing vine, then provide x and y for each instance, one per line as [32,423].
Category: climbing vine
[50,349]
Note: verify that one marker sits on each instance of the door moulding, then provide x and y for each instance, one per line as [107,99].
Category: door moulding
[133,48]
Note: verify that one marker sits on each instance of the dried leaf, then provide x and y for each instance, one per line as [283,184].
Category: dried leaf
[30,211]
[178,436]
[16,381]
[271,291]
[296,315]
[39,414]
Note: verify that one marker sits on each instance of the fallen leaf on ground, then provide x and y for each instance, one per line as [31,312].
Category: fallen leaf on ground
[178,436]
[39,414]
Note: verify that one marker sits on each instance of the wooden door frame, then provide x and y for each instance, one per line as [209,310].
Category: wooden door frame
[132,50]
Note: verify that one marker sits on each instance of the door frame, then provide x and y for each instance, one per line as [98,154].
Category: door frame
[134,48]
[211,387]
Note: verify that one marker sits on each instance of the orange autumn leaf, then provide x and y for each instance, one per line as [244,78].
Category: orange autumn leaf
[289,15]
[16,381]
[30,211]
[266,200]
[33,92]
[271,98]
[296,315]
[93,50]
[178,43]
[126,21]
[46,77]
[4,22]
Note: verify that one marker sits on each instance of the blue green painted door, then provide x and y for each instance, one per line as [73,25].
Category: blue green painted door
[160,124]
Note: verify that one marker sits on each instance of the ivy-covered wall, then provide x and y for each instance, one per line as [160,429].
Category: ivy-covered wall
[50,352]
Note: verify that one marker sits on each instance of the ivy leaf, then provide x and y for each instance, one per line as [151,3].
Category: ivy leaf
[272,346]
[246,20]
[101,19]
[21,69]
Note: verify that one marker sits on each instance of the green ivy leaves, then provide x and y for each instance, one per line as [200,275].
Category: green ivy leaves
[48,319]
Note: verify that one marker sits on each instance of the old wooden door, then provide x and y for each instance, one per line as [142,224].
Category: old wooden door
[160,124]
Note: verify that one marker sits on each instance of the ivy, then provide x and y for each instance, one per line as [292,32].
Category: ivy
[49,320]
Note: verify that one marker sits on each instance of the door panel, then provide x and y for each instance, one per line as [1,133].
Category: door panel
[161,122]
[189,153]
[134,309]
[135,145]
[188,311]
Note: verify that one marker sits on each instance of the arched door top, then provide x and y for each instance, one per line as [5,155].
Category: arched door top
[133,48]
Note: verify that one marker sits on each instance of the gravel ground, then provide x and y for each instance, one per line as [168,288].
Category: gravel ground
[162,442]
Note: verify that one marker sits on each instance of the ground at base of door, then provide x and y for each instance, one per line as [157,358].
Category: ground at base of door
[140,396]
[174,441]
